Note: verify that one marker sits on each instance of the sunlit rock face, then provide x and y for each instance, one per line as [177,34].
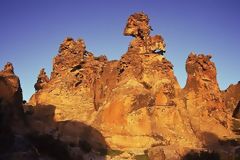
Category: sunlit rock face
[136,102]
[73,82]
[138,27]
[202,80]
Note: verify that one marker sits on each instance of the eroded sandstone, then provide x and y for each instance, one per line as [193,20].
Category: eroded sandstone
[136,102]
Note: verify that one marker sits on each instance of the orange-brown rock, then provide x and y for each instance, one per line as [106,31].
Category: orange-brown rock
[138,27]
[73,82]
[236,112]
[136,103]
[202,80]
[231,97]
[8,68]
[11,110]
[42,80]
[12,120]
[36,135]
[71,54]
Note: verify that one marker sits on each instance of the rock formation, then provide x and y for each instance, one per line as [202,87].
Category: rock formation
[231,97]
[11,111]
[12,119]
[133,107]
[202,80]
[42,80]
[8,68]
[236,112]
[22,136]
[138,27]
[73,82]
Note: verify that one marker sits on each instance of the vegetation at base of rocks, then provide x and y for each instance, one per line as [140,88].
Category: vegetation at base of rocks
[113,153]
[141,157]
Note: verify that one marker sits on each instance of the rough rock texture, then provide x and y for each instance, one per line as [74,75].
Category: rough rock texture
[29,135]
[12,122]
[156,153]
[136,103]
[202,80]
[138,27]
[236,112]
[42,80]
[72,85]
[11,111]
[231,97]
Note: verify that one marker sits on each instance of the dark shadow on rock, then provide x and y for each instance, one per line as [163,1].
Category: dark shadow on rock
[210,140]
[214,148]
[46,139]
[201,155]
[65,139]
[47,146]
[236,126]
[236,112]
[236,119]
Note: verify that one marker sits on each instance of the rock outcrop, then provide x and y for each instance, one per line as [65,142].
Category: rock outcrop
[12,120]
[138,27]
[236,112]
[202,80]
[231,97]
[25,136]
[42,80]
[11,110]
[72,82]
[136,103]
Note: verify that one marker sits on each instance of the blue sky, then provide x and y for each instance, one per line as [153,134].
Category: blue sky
[32,30]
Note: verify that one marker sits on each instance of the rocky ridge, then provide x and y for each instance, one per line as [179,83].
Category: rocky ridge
[134,106]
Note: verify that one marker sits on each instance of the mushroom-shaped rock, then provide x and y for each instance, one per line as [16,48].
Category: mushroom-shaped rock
[138,27]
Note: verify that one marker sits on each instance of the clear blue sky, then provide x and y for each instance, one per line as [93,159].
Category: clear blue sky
[32,30]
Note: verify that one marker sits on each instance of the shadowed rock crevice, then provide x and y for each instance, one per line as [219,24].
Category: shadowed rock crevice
[236,112]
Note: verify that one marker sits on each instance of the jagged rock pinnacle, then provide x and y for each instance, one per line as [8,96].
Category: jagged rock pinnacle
[42,80]
[8,68]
